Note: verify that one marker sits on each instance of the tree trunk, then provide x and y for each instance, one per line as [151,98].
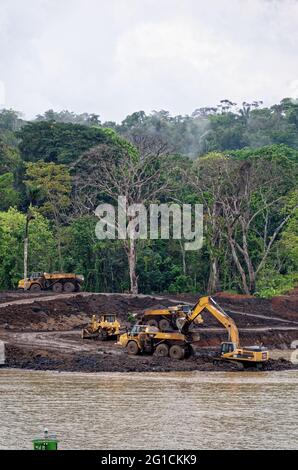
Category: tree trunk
[238,264]
[250,268]
[26,247]
[183,257]
[132,262]
[59,248]
[25,262]
[213,282]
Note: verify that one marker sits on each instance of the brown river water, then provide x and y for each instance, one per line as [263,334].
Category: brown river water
[185,410]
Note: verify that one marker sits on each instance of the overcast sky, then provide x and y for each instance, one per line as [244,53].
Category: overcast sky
[114,57]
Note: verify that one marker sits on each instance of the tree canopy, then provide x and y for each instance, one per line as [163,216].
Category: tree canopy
[239,161]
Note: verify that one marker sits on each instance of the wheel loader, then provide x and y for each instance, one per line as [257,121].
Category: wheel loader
[56,282]
[103,328]
[177,345]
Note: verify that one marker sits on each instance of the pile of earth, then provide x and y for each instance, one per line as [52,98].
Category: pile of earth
[283,306]
[68,313]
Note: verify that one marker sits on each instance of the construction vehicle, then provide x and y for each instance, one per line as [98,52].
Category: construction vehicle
[103,328]
[144,338]
[167,319]
[148,339]
[231,350]
[56,282]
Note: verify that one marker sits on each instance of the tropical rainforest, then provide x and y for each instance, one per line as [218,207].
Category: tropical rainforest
[239,161]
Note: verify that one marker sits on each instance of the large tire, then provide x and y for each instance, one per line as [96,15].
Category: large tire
[176,352]
[69,287]
[58,287]
[152,322]
[132,348]
[162,350]
[164,324]
[35,288]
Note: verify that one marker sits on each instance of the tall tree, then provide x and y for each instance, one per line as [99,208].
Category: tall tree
[49,186]
[205,178]
[253,204]
[122,170]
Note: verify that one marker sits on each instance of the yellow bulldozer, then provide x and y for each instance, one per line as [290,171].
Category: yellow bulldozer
[56,282]
[177,344]
[103,328]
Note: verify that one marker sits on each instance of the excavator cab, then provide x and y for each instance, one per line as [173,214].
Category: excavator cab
[186,308]
[228,347]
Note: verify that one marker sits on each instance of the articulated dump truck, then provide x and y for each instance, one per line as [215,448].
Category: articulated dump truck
[56,282]
[167,319]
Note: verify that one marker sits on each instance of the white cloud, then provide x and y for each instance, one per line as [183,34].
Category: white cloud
[120,56]
[2,94]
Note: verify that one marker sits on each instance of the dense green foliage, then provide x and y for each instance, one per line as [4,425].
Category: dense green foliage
[239,162]
[42,250]
[57,142]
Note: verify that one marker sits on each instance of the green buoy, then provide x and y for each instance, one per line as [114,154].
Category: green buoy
[48,442]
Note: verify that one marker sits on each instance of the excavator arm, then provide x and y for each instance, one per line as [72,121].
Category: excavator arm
[209,304]
[230,350]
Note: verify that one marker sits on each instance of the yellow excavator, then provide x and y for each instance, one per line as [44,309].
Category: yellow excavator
[177,345]
[231,349]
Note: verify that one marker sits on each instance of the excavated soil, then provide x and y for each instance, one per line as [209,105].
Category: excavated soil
[64,313]
[283,306]
[42,331]
[107,362]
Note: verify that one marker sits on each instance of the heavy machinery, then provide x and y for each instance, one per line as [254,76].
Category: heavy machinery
[148,339]
[105,327]
[167,319]
[231,349]
[144,338]
[57,282]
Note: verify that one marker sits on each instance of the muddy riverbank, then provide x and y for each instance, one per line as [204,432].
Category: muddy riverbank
[105,361]
[43,332]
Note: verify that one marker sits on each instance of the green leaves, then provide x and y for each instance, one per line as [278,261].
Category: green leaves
[42,253]
[8,195]
[49,185]
[60,143]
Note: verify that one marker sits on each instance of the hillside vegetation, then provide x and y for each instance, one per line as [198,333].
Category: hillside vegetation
[240,162]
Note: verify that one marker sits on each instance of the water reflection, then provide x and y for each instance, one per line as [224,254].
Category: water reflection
[181,410]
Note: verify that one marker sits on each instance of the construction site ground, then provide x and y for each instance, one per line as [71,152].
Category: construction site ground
[43,331]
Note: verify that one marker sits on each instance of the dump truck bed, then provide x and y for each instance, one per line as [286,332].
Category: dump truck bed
[60,276]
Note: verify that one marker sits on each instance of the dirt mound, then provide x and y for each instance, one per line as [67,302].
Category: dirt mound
[283,306]
[64,314]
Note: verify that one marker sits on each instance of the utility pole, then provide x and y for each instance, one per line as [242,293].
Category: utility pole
[29,217]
